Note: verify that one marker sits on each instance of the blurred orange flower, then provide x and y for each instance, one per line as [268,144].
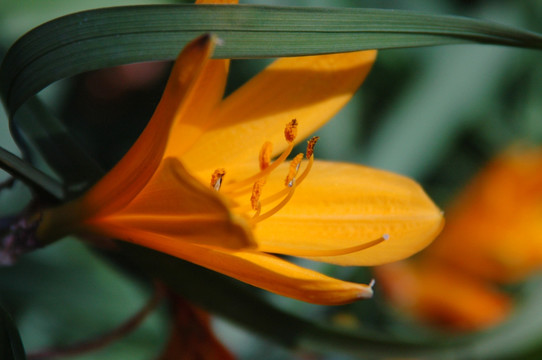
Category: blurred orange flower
[493,236]
[192,336]
[200,183]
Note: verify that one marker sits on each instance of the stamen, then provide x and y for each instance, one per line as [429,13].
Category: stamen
[290,132]
[256,193]
[216,178]
[310,146]
[286,190]
[265,155]
[292,171]
[251,179]
[306,171]
[279,206]
[255,183]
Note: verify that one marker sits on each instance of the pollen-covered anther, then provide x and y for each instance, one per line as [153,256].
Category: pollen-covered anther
[216,178]
[265,155]
[266,166]
[256,194]
[293,170]
[260,217]
[290,132]
[310,146]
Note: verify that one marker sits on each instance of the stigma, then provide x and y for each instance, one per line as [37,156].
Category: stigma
[247,196]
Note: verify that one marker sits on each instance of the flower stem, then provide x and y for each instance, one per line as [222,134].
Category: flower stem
[105,339]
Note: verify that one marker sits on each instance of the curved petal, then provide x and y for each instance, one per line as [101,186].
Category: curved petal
[443,296]
[311,89]
[175,205]
[133,171]
[262,270]
[192,335]
[495,242]
[191,122]
[340,206]
[208,92]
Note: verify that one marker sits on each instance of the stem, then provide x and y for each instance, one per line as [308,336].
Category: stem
[30,175]
[105,339]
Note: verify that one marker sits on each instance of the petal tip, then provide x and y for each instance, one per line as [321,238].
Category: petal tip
[366,291]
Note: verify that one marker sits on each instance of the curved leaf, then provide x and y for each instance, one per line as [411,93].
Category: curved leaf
[42,183]
[112,36]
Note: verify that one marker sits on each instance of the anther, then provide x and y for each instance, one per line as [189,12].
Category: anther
[290,132]
[256,193]
[310,146]
[265,155]
[297,180]
[292,171]
[216,178]
[242,186]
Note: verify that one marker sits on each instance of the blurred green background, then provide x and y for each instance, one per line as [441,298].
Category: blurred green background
[435,114]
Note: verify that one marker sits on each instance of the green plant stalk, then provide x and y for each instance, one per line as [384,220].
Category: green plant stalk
[31,176]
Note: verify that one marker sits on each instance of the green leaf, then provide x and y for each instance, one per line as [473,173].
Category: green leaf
[114,36]
[36,179]
[11,347]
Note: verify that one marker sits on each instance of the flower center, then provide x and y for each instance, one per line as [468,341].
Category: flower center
[262,207]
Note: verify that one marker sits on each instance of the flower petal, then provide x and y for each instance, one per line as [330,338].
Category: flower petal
[133,171]
[189,124]
[208,92]
[126,179]
[341,206]
[175,205]
[311,89]
[495,222]
[192,336]
[443,296]
[259,269]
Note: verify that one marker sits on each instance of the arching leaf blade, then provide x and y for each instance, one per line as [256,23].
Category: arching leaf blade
[114,36]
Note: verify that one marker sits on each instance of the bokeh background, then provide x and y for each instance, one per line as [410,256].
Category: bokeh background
[435,114]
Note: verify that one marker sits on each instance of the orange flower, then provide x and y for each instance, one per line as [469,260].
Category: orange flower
[497,220]
[493,236]
[200,183]
[442,296]
[192,337]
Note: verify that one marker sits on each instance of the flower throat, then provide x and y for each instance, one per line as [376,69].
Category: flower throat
[260,208]
[264,207]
